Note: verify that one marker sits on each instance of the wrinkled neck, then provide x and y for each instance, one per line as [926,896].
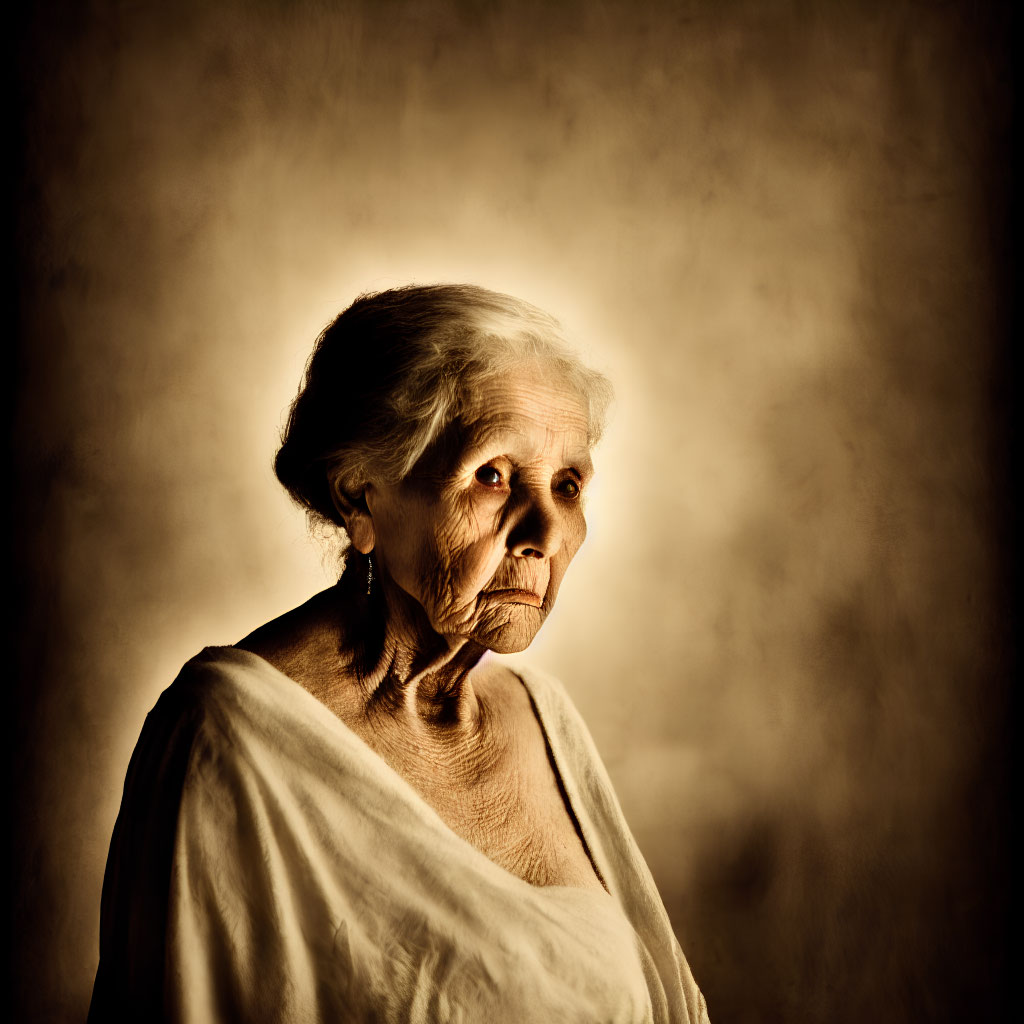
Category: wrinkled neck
[403,668]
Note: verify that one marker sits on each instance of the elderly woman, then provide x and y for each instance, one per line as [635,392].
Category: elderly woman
[353,814]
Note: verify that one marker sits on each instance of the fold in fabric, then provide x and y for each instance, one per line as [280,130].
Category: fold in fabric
[267,865]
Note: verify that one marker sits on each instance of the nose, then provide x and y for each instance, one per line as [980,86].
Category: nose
[538,533]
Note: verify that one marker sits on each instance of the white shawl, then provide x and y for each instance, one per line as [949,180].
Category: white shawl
[267,865]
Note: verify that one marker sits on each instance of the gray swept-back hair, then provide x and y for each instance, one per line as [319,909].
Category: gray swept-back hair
[396,369]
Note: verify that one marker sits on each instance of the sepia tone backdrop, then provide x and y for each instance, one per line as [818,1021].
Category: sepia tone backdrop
[779,227]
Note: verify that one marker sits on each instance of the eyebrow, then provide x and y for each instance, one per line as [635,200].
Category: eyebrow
[483,435]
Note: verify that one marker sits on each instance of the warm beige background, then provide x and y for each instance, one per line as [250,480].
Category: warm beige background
[776,225]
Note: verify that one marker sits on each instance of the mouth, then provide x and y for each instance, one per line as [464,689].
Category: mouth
[513,595]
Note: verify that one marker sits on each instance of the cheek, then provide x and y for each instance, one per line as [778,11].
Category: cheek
[478,564]
[465,555]
[574,532]
[578,528]
[400,544]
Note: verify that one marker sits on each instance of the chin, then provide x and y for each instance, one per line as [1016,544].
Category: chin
[508,639]
[508,645]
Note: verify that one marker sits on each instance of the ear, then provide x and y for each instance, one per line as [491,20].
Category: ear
[356,516]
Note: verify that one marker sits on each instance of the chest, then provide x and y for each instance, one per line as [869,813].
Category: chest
[502,797]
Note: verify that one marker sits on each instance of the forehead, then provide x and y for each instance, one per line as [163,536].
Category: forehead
[534,413]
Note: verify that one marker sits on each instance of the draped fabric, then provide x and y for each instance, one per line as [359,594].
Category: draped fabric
[267,865]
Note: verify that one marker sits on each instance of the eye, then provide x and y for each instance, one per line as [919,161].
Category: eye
[569,488]
[488,476]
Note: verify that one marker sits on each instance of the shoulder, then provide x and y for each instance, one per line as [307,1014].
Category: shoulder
[301,642]
[210,687]
[192,793]
[240,698]
[228,726]
[224,699]
[253,726]
[197,704]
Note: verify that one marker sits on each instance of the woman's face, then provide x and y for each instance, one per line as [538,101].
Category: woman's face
[482,546]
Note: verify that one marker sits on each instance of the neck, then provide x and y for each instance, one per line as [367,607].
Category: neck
[403,668]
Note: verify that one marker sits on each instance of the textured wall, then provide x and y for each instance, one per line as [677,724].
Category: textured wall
[776,225]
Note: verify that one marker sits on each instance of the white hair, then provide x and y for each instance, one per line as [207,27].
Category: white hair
[397,368]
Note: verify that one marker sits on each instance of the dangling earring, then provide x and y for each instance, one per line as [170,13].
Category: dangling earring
[369,574]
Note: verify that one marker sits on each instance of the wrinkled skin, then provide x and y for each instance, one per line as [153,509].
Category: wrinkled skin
[478,554]
[468,556]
